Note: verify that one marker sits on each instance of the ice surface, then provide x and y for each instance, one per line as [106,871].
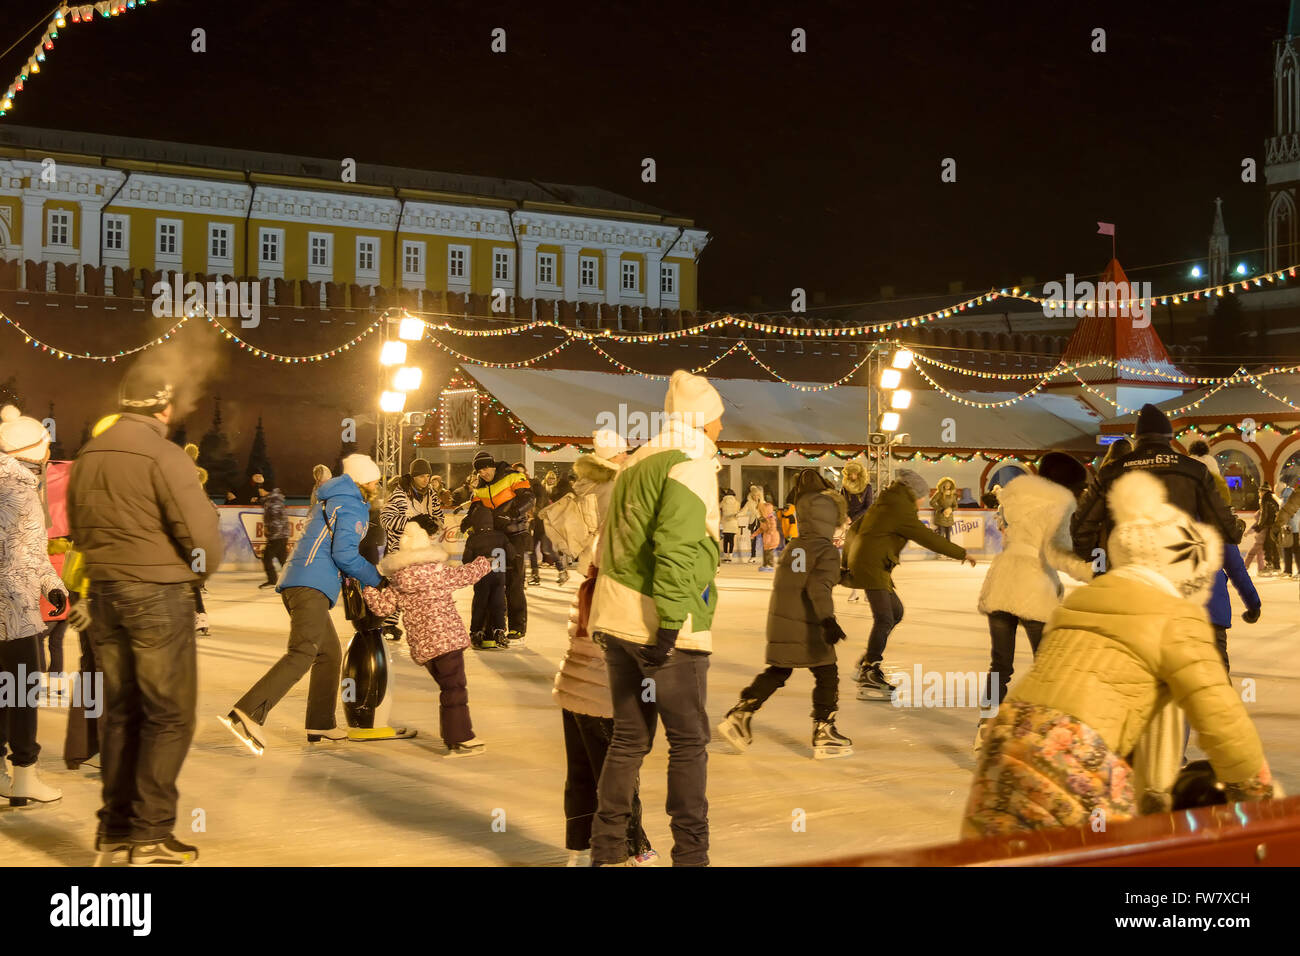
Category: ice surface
[404,803]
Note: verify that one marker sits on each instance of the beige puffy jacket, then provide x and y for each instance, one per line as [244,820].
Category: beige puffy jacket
[1107,651]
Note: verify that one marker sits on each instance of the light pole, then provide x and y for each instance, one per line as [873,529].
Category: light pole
[396,381]
[883,415]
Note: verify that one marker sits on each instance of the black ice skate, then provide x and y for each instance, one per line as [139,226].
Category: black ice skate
[827,742]
[563,576]
[512,639]
[735,729]
[476,640]
[170,852]
[874,685]
[535,577]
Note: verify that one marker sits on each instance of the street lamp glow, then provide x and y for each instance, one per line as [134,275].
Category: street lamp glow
[901,399]
[902,359]
[393,353]
[1241,269]
[407,378]
[392,402]
[890,378]
[889,422]
[1196,272]
[412,330]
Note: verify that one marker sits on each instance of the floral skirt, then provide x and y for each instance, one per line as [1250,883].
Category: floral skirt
[1043,768]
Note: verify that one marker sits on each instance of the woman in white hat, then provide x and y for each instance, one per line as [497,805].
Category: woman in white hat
[25,576]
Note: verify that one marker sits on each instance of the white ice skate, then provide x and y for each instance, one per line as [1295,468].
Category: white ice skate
[827,742]
[246,730]
[28,788]
[470,748]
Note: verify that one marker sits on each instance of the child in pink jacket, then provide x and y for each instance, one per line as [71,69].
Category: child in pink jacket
[421,586]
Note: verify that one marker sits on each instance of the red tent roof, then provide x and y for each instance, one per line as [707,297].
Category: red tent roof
[1115,334]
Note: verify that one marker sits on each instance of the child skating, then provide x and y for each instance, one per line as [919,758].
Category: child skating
[801,628]
[421,586]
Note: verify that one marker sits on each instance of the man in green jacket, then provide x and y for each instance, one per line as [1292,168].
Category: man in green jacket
[652,610]
[871,553]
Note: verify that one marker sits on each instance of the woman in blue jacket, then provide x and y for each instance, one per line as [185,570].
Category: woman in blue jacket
[309,586]
[1220,607]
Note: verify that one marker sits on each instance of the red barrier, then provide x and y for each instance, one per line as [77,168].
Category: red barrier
[1262,833]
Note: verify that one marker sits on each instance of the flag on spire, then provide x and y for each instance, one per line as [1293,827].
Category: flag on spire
[1106,229]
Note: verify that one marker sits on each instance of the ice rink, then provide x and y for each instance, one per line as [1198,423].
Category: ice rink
[404,803]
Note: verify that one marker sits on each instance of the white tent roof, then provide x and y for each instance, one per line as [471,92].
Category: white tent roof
[1237,400]
[565,404]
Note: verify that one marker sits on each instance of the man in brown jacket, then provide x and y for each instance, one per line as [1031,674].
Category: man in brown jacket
[148,534]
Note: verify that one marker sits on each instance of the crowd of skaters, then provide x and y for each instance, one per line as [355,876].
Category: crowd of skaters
[1121,666]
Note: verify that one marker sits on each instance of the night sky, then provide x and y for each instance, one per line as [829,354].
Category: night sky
[819,170]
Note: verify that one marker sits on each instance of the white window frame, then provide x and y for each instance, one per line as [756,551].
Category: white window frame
[414,277]
[583,263]
[226,232]
[123,224]
[670,280]
[64,225]
[173,256]
[367,273]
[548,260]
[466,277]
[320,271]
[274,268]
[502,256]
[629,267]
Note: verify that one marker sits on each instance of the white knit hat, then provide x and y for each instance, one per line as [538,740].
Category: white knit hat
[1151,533]
[416,547]
[693,399]
[22,437]
[608,443]
[361,469]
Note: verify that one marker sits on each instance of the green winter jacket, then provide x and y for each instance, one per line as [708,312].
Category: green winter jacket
[659,547]
[875,540]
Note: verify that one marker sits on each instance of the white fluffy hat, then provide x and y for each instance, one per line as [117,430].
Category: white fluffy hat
[608,443]
[22,437]
[416,547]
[361,469]
[693,399]
[1151,533]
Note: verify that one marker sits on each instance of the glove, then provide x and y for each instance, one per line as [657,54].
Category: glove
[79,617]
[657,653]
[1251,616]
[58,600]
[427,522]
[832,632]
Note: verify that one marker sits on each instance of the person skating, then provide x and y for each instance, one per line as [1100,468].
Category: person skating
[750,524]
[276,523]
[857,492]
[309,587]
[652,609]
[26,575]
[421,588]
[1112,656]
[508,495]
[1022,587]
[539,548]
[943,504]
[769,530]
[1264,529]
[871,553]
[200,612]
[484,538]
[412,496]
[1233,570]
[729,525]
[148,535]
[582,684]
[1187,482]
[801,627]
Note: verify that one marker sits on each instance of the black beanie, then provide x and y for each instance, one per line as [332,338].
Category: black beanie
[483,460]
[1063,469]
[1152,421]
[420,467]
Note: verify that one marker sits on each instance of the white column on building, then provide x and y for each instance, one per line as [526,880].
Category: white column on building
[613,274]
[571,250]
[91,210]
[33,229]
[651,279]
[528,267]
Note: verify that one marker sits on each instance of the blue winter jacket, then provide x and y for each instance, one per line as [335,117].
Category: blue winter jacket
[1220,607]
[328,545]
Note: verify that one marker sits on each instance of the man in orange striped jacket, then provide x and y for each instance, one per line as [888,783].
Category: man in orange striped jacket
[510,498]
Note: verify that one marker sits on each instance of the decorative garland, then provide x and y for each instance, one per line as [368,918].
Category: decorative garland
[288,359]
[79,13]
[36,343]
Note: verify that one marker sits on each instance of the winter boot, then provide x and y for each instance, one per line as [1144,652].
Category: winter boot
[169,852]
[469,748]
[27,788]
[735,729]
[476,640]
[201,625]
[334,733]
[564,576]
[874,685]
[535,577]
[827,742]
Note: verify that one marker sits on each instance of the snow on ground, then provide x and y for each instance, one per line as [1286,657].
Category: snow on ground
[404,803]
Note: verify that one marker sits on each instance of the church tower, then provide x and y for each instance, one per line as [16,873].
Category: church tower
[1282,149]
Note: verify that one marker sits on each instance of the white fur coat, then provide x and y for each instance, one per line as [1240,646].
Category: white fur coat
[1023,580]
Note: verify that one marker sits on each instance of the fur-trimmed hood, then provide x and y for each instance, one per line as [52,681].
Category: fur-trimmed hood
[591,467]
[416,548]
[1031,498]
[855,478]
